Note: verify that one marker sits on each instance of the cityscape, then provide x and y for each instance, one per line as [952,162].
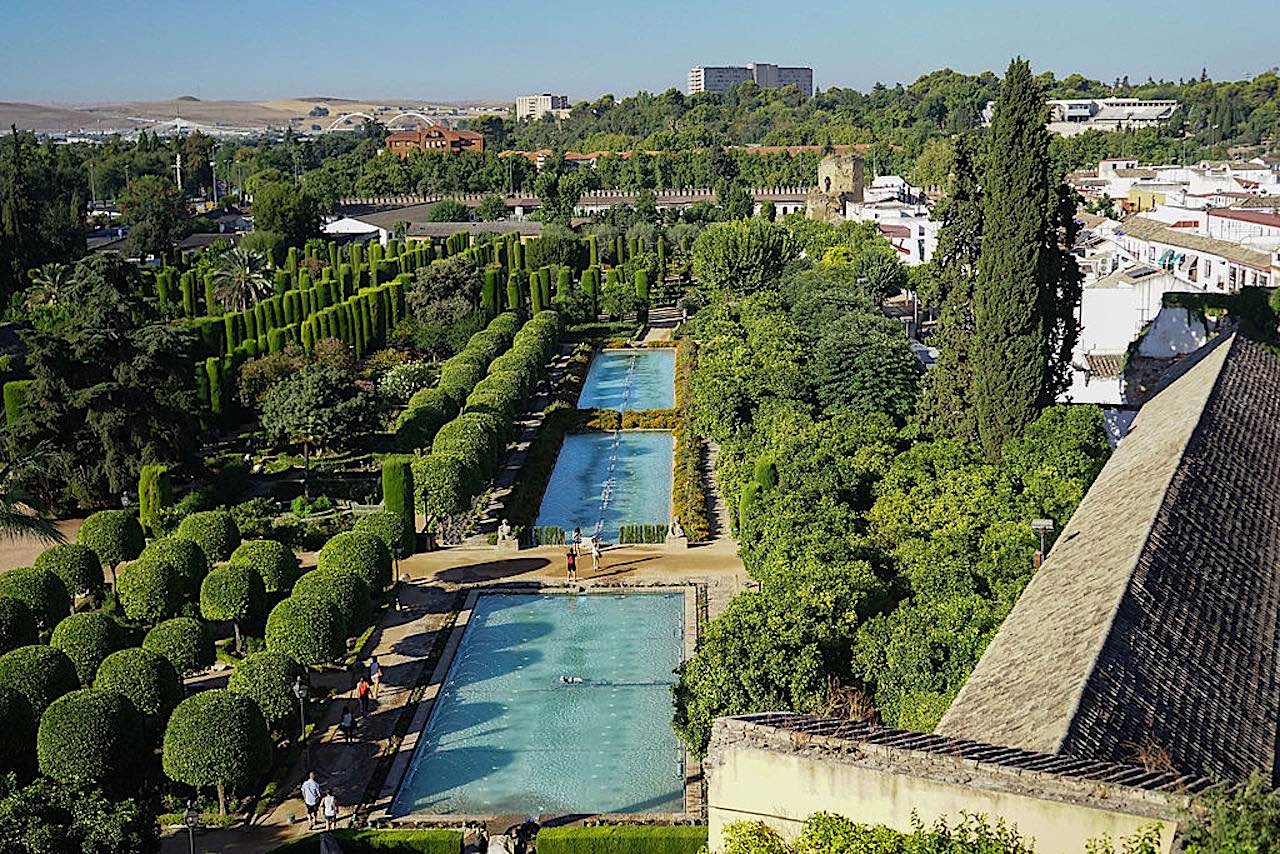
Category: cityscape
[664,430]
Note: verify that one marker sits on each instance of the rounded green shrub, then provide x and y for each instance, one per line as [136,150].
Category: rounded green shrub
[216,738]
[458,375]
[77,565]
[41,590]
[267,678]
[362,553]
[17,624]
[87,639]
[275,563]
[184,642]
[145,678]
[114,535]
[17,734]
[92,737]
[344,589]
[151,591]
[307,630]
[386,526]
[184,556]
[40,673]
[233,593]
[214,530]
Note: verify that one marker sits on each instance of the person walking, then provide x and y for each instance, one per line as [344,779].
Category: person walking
[330,809]
[347,724]
[577,541]
[595,553]
[362,695]
[571,560]
[375,675]
[311,799]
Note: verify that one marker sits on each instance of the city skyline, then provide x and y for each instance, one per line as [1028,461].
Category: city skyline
[581,51]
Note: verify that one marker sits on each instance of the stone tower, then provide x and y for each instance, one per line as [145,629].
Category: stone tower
[839,181]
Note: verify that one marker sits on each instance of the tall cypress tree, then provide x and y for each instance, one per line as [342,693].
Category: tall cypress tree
[946,404]
[1017,272]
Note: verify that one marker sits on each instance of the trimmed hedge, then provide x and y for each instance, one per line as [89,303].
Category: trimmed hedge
[362,553]
[428,409]
[397,500]
[114,535]
[87,639]
[15,400]
[267,678]
[307,630]
[233,593]
[155,492]
[184,557]
[428,841]
[42,674]
[17,624]
[77,565]
[275,563]
[93,737]
[17,734]
[622,839]
[146,679]
[215,530]
[216,738]
[151,591]
[344,589]
[184,642]
[41,590]
[387,527]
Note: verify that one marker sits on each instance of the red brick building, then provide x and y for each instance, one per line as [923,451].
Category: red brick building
[434,138]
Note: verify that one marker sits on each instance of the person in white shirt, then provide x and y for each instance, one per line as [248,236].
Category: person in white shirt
[330,809]
[311,798]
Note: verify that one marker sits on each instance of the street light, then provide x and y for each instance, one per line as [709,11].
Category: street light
[300,691]
[1041,527]
[192,819]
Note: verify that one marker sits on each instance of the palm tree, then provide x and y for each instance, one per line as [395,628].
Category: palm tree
[48,283]
[241,279]
[19,513]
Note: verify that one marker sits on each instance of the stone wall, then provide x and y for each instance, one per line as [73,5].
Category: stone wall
[781,777]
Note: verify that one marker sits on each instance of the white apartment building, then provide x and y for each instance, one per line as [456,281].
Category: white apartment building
[537,106]
[723,78]
[901,213]
[1069,116]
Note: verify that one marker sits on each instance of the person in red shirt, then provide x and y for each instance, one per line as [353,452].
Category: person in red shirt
[362,694]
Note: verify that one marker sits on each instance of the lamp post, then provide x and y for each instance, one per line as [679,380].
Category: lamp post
[1041,527]
[300,691]
[192,819]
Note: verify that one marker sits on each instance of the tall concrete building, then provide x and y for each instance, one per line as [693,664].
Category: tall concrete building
[537,106]
[722,78]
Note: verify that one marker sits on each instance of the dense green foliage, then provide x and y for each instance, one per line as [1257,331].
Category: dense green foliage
[17,624]
[184,641]
[183,557]
[45,817]
[267,678]
[428,841]
[17,734]
[741,257]
[77,565]
[146,679]
[42,674]
[91,736]
[307,630]
[152,590]
[622,839]
[215,531]
[42,591]
[360,553]
[274,562]
[114,535]
[825,833]
[216,738]
[87,639]
[233,593]
[341,587]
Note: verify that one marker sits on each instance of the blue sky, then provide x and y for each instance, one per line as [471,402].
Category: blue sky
[77,50]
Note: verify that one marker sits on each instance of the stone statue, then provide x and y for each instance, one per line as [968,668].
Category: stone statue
[676,530]
[504,531]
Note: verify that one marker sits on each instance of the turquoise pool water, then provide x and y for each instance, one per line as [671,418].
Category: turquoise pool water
[505,737]
[630,379]
[605,480]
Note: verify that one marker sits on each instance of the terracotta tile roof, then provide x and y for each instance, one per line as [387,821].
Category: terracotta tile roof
[1155,619]
[1259,217]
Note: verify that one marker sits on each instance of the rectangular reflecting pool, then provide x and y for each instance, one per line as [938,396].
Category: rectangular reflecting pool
[605,480]
[630,379]
[506,737]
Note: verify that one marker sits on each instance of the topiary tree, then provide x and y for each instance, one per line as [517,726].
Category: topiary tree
[397,499]
[344,589]
[87,639]
[41,590]
[275,563]
[185,557]
[387,527]
[363,554]
[91,737]
[233,593]
[216,738]
[155,492]
[214,530]
[17,624]
[77,565]
[267,678]
[307,630]
[184,642]
[151,591]
[146,679]
[40,673]
[114,535]
[17,734]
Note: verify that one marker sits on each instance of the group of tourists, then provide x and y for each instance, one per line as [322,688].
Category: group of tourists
[366,690]
[575,549]
[319,803]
